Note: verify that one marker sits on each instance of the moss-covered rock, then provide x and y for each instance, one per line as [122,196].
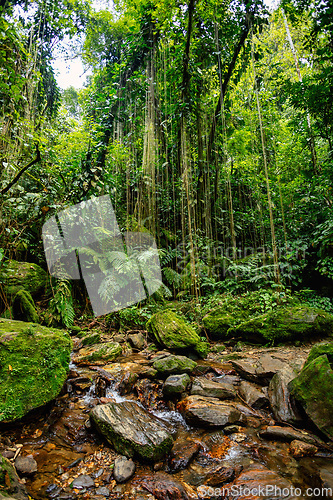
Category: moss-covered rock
[24,308]
[218,322]
[98,354]
[16,276]
[91,339]
[33,366]
[174,364]
[10,485]
[313,388]
[285,324]
[320,350]
[172,332]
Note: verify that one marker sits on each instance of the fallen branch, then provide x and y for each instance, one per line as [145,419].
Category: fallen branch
[21,172]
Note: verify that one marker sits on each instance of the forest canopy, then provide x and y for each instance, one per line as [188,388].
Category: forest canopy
[207,122]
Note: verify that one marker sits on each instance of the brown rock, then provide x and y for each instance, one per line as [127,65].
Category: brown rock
[208,412]
[299,449]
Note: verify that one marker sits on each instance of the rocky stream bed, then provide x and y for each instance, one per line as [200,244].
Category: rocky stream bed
[152,425]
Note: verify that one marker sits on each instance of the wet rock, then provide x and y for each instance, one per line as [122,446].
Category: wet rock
[16,276]
[247,369]
[176,384]
[219,474]
[137,340]
[10,483]
[26,465]
[103,491]
[98,354]
[252,395]
[174,364]
[181,454]
[326,476]
[132,430]
[124,469]
[30,381]
[208,412]
[287,434]
[268,366]
[24,308]
[172,332]
[202,386]
[313,388]
[83,481]
[8,454]
[163,487]
[282,402]
[299,449]
[262,482]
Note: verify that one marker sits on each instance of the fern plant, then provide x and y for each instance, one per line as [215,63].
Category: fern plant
[61,306]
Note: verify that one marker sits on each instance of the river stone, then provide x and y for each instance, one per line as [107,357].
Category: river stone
[137,340]
[268,366]
[252,395]
[34,366]
[98,354]
[124,469]
[261,482]
[10,484]
[174,364]
[287,434]
[26,465]
[299,449]
[132,430]
[313,388]
[83,481]
[164,486]
[282,402]
[16,276]
[172,332]
[103,491]
[284,324]
[182,452]
[176,384]
[201,386]
[202,411]
[24,308]
[247,369]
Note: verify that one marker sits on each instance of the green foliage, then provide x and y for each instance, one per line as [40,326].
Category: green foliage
[61,306]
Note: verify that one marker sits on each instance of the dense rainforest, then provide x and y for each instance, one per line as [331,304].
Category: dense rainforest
[208,125]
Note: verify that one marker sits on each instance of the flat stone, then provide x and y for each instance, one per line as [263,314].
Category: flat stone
[259,371]
[25,465]
[124,469]
[164,486]
[132,430]
[253,395]
[282,402]
[268,366]
[202,411]
[247,369]
[103,491]
[83,481]
[287,434]
[202,386]
[176,384]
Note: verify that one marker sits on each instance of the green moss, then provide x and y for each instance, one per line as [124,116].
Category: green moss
[33,366]
[314,389]
[174,364]
[319,350]
[91,339]
[24,308]
[285,324]
[16,276]
[172,332]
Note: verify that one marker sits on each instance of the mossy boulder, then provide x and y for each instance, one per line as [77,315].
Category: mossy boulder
[34,363]
[98,354]
[313,388]
[218,322]
[16,276]
[174,364]
[285,324]
[171,331]
[24,308]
